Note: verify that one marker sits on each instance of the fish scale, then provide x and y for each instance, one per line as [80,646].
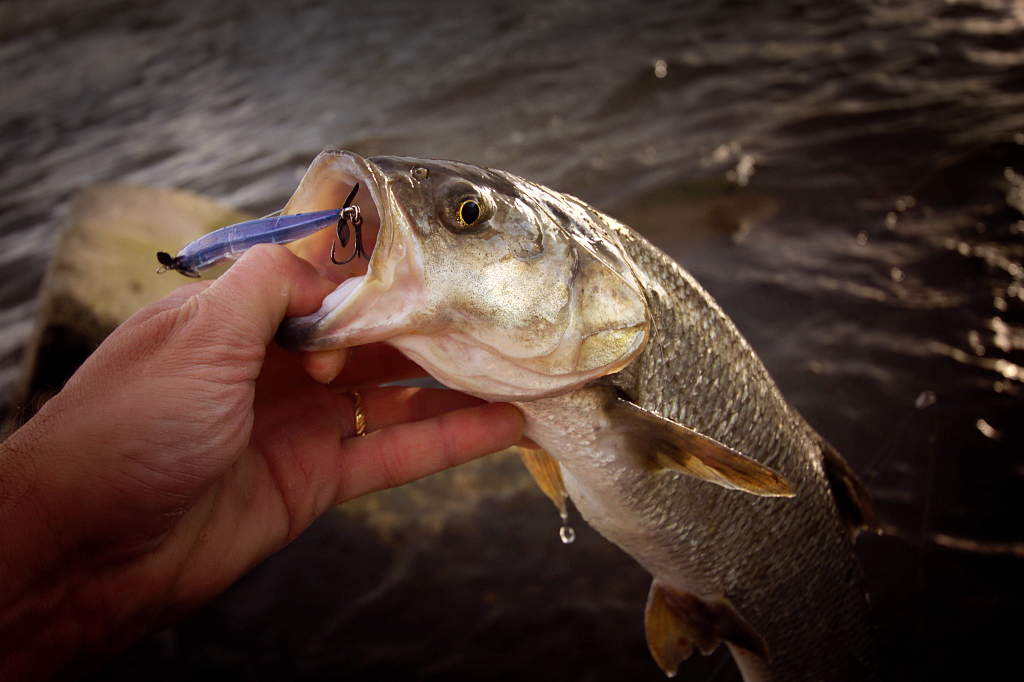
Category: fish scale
[820,583]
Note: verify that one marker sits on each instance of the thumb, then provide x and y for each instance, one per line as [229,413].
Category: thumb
[267,284]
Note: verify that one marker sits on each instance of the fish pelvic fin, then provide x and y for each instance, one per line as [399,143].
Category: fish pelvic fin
[853,500]
[664,444]
[547,472]
[677,622]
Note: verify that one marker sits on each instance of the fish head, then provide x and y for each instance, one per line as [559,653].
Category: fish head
[480,277]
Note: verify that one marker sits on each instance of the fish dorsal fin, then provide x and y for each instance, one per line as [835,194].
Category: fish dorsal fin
[547,472]
[676,622]
[854,502]
[664,444]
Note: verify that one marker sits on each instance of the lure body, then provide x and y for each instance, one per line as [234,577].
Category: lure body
[232,241]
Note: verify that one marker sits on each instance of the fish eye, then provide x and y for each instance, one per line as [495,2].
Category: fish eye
[464,207]
[469,212]
[420,173]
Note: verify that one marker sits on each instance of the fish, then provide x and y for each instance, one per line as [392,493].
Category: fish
[646,406]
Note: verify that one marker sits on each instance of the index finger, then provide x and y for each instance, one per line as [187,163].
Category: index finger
[402,453]
[370,365]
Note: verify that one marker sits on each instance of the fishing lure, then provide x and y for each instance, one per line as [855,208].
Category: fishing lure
[232,241]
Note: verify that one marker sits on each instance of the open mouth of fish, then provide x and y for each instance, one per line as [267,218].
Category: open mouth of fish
[374,258]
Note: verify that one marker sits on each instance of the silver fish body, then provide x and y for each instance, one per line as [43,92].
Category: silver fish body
[786,564]
[670,437]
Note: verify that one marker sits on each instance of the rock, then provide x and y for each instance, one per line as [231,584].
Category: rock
[104,269]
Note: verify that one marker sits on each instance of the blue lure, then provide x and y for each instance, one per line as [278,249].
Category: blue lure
[232,241]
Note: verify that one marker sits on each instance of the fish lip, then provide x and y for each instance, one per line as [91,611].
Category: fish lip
[363,171]
[311,332]
[374,179]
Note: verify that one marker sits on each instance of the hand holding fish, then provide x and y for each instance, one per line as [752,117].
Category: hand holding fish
[187,449]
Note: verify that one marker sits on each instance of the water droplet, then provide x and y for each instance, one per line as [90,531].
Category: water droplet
[862,238]
[744,169]
[905,202]
[974,341]
[567,534]
[660,68]
[1008,369]
[926,399]
[988,430]
[890,220]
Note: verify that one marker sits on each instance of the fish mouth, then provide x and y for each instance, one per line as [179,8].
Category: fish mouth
[327,185]
[357,312]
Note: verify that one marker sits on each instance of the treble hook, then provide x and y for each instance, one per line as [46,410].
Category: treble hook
[350,212]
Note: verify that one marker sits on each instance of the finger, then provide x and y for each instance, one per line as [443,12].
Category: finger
[370,365]
[267,284]
[376,364]
[169,302]
[390,405]
[325,365]
[404,453]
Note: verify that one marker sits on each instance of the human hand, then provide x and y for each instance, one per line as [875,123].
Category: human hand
[187,449]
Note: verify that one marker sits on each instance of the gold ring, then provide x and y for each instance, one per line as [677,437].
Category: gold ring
[357,408]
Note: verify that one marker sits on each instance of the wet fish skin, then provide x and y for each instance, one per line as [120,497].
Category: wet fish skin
[775,578]
[786,565]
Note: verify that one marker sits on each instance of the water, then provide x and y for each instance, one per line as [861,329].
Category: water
[846,178]
[566,533]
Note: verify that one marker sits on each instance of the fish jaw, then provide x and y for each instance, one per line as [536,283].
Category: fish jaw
[376,299]
[361,310]
[452,299]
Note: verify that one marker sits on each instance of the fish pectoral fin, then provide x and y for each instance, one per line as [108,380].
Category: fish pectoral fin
[547,472]
[676,622]
[664,444]
[855,505]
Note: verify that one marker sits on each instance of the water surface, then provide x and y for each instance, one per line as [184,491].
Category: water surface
[846,178]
